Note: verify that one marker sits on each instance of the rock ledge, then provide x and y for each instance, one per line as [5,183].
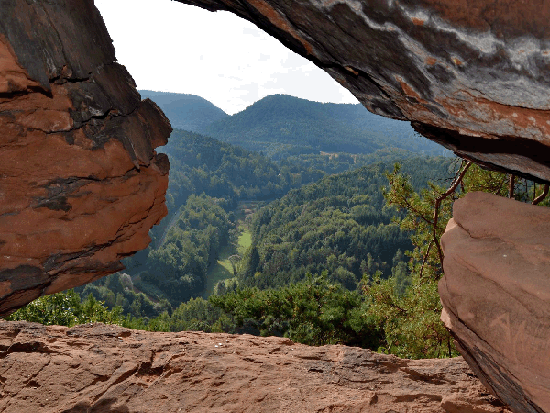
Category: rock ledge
[111,369]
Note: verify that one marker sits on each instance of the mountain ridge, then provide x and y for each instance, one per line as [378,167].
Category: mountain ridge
[282,125]
[185,111]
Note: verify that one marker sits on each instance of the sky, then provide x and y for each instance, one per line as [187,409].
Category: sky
[172,47]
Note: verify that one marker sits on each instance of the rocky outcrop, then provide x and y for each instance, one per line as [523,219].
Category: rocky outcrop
[471,75]
[81,185]
[80,182]
[111,369]
[496,296]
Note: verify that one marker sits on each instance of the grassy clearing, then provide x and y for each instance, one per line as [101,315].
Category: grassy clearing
[222,269]
[245,241]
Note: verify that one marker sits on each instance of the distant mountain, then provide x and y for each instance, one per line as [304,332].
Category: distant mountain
[189,112]
[282,125]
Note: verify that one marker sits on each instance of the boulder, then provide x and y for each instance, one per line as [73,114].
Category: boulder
[100,368]
[496,295]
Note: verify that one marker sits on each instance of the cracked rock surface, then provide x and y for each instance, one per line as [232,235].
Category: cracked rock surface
[80,181]
[496,297]
[111,369]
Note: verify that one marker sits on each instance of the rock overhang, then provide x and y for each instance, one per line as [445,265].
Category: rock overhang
[81,183]
[470,75]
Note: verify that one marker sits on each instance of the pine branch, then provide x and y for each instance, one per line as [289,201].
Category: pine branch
[438,200]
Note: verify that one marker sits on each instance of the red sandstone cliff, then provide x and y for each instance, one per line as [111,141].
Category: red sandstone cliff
[496,295]
[80,182]
[110,369]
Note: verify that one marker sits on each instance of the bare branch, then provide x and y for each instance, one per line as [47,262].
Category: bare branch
[541,196]
[438,200]
[425,257]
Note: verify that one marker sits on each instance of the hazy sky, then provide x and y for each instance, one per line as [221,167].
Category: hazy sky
[171,47]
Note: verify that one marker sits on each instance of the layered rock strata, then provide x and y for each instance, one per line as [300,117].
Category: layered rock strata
[80,182]
[111,369]
[496,295]
[471,75]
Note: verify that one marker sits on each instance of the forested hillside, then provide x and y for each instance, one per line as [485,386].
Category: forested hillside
[282,125]
[207,180]
[202,164]
[189,112]
[340,225]
[398,315]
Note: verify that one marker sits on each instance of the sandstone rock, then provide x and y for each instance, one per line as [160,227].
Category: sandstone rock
[472,75]
[80,182]
[103,368]
[81,185]
[496,295]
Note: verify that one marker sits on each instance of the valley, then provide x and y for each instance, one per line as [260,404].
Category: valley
[273,201]
[225,267]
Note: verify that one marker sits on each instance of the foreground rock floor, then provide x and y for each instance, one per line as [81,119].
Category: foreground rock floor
[100,368]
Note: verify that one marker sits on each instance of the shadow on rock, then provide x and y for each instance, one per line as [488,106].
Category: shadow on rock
[101,406]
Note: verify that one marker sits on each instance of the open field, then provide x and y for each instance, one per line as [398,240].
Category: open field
[222,269]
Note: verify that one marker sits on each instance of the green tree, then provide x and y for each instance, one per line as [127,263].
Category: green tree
[410,315]
[313,311]
[66,309]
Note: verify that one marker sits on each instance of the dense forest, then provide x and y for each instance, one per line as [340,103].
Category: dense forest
[382,314]
[199,164]
[340,225]
[221,175]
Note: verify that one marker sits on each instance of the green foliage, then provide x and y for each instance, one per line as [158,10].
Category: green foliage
[178,267]
[117,290]
[66,309]
[408,310]
[282,126]
[314,311]
[339,224]
[199,314]
[176,264]
[339,162]
[200,164]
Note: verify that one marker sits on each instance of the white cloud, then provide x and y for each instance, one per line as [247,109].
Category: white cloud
[171,47]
